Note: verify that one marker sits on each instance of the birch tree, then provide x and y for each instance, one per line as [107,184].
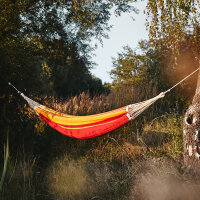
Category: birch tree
[171,24]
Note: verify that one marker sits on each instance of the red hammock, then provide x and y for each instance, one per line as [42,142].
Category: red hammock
[84,127]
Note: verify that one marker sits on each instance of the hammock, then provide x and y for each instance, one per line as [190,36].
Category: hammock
[84,127]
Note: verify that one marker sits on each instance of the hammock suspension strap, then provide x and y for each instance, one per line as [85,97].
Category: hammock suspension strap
[182,80]
[33,104]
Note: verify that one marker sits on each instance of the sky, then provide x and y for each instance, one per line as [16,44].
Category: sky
[125,31]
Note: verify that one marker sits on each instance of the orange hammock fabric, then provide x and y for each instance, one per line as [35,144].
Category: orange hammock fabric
[84,127]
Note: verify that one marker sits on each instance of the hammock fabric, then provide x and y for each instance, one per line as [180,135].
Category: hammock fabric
[84,127]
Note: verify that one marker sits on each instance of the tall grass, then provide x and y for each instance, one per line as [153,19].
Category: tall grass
[5,162]
[163,136]
[19,181]
[16,179]
[112,161]
[82,179]
[69,179]
[99,168]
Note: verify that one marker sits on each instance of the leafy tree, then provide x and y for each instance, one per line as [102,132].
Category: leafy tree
[129,68]
[174,25]
[171,21]
[139,67]
[174,29]
[28,27]
[34,34]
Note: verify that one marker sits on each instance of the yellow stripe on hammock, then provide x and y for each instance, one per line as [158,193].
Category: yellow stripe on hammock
[78,120]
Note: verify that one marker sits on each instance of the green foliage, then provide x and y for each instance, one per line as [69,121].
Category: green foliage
[163,136]
[139,67]
[129,68]
[169,22]
[55,32]
[154,67]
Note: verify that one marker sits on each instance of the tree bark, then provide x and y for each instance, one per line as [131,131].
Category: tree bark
[191,132]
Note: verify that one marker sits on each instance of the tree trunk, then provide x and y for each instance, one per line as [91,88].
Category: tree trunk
[191,132]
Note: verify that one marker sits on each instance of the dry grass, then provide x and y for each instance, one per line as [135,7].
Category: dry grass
[85,104]
[112,151]
[161,179]
[68,179]
[82,179]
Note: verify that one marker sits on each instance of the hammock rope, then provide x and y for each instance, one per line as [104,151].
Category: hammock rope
[84,127]
[182,80]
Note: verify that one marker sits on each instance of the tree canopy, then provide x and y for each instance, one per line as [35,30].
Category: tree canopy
[170,22]
[46,43]
[173,49]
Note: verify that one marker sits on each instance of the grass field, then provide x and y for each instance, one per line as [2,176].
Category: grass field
[141,160]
